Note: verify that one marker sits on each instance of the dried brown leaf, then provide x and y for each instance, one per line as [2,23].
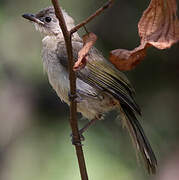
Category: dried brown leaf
[89,40]
[158,27]
[126,60]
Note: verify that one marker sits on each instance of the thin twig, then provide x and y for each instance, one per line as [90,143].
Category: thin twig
[99,11]
[72,78]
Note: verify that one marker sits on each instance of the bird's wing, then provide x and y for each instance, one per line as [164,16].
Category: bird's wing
[101,74]
[83,88]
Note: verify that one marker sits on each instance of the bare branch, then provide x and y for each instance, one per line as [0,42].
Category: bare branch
[98,12]
[72,78]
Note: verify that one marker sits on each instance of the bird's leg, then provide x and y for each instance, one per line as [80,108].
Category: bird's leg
[87,125]
[82,130]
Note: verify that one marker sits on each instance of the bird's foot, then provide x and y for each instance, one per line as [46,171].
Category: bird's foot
[77,142]
[75,97]
[72,97]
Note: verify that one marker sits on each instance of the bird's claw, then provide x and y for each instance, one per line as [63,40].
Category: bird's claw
[75,97]
[77,142]
[72,97]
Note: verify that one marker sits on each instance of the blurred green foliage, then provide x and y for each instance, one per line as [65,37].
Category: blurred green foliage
[38,146]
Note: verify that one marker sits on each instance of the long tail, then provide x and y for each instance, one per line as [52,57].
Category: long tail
[139,139]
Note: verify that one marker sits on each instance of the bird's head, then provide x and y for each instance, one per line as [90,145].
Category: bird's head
[47,23]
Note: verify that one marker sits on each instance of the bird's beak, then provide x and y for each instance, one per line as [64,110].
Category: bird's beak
[32,18]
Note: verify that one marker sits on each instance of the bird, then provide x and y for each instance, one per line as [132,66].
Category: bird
[101,87]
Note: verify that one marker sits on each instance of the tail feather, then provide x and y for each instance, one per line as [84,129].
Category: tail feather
[139,139]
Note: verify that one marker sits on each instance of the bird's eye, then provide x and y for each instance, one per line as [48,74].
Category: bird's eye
[48,19]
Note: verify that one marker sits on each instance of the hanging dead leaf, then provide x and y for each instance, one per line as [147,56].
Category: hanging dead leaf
[89,40]
[158,27]
[126,60]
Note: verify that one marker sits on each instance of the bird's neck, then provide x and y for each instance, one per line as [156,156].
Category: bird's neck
[50,42]
[53,40]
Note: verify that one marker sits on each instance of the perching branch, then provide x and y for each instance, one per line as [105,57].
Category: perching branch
[73,105]
[98,12]
[72,77]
